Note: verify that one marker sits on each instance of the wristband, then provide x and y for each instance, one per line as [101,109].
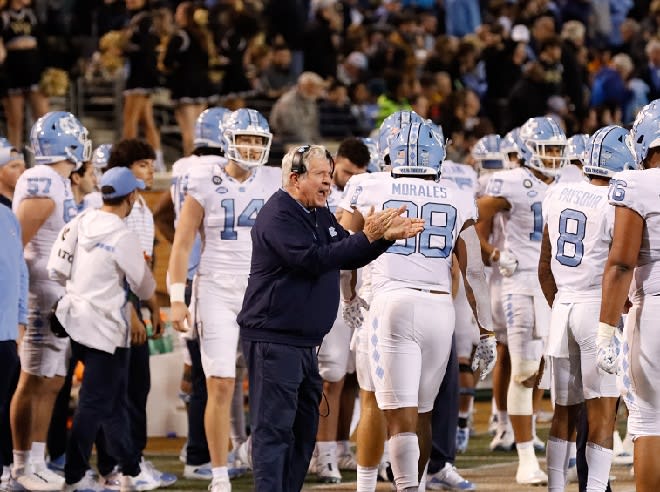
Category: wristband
[178,292]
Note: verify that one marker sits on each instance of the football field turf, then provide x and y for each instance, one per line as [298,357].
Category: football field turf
[488,471]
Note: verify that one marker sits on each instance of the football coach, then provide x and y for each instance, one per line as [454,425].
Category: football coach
[291,301]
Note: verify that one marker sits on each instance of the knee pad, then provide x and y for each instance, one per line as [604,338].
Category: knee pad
[519,399]
[522,369]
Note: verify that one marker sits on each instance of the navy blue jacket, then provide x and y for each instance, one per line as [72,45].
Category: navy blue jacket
[293,290]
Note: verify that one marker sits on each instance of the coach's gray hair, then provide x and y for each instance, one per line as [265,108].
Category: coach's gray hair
[287,160]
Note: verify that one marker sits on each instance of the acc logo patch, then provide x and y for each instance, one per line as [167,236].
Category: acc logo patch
[527,183]
[217,180]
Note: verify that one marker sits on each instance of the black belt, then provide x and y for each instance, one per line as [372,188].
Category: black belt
[430,291]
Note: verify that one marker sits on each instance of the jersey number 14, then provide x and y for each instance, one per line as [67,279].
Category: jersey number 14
[245,219]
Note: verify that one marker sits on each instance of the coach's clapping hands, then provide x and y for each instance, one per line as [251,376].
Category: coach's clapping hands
[389,225]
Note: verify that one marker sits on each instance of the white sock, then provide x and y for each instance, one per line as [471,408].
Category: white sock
[404,456]
[422,481]
[38,453]
[557,452]
[343,447]
[502,417]
[220,474]
[526,455]
[534,425]
[572,452]
[493,407]
[599,460]
[366,478]
[21,458]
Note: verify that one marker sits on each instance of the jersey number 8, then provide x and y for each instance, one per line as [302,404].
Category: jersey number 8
[570,245]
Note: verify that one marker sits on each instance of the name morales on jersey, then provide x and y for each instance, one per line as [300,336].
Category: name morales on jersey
[425,190]
[582,198]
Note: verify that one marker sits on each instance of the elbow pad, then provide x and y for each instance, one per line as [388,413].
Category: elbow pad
[476,277]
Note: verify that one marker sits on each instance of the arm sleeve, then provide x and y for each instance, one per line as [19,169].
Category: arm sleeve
[24,281]
[296,246]
[130,259]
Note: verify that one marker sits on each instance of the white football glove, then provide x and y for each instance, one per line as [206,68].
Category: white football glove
[609,348]
[352,313]
[507,263]
[485,355]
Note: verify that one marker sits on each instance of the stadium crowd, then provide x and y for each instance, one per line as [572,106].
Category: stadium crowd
[496,164]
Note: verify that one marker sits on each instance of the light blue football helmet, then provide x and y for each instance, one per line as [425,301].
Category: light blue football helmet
[645,132]
[247,122]
[488,154]
[101,155]
[539,137]
[510,146]
[209,128]
[417,150]
[607,153]
[374,161]
[59,136]
[391,126]
[576,148]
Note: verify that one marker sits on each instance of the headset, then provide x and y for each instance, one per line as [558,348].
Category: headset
[298,160]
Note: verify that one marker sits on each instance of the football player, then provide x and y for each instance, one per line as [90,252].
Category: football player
[631,272]
[519,194]
[43,203]
[412,281]
[221,203]
[576,241]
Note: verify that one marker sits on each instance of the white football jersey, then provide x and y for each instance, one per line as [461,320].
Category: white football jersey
[524,224]
[580,224]
[638,190]
[424,261]
[348,199]
[230,209]
[570,174]
[44,182]
[463,175]
[179,181]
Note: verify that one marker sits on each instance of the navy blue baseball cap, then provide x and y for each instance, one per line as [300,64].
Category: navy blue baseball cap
[121,180]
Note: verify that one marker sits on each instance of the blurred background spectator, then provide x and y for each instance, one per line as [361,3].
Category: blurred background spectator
[505,59]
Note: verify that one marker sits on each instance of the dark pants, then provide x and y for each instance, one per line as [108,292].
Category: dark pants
[57,431]
[101,404]
[139,384]
[581,446]
[285,392]
[198,448]
[9,370]
[445,416]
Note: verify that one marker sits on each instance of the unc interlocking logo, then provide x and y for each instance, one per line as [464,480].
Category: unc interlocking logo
[332,231]
[69,125]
